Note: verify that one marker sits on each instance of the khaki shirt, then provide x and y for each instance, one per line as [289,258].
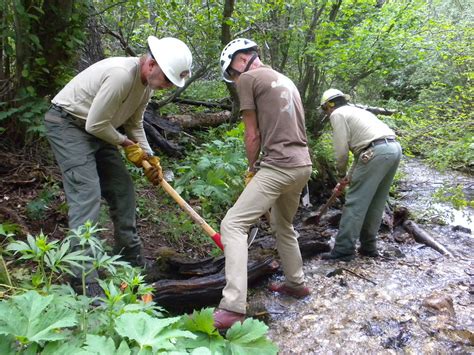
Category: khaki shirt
[280,116]
[353,129]
[107,95]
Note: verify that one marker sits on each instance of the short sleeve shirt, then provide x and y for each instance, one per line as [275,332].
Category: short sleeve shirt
[280,116]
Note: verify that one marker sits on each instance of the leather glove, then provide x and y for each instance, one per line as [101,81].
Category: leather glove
[135,154]
[341,185]
[154,174]
[248,176]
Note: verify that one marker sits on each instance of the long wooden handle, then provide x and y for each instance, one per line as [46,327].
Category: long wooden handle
[216,237]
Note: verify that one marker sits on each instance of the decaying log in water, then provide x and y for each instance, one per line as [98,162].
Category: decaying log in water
[185,295]
[423,237]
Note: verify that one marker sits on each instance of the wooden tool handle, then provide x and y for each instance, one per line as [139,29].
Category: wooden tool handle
[188,209]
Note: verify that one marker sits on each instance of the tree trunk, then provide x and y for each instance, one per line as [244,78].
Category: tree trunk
[226,38]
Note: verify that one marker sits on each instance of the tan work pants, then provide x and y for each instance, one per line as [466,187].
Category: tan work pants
[280,190]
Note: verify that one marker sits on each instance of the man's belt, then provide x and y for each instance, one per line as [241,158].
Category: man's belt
[380,141]
[64,115]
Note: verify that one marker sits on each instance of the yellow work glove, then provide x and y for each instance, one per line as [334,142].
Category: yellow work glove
[154,174]
[135,154]
[248,176]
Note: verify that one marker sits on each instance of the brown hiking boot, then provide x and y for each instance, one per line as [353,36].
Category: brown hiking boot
[296,292]
[224,319]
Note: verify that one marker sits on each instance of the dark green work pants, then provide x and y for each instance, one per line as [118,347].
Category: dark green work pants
[91,169]
[365,199]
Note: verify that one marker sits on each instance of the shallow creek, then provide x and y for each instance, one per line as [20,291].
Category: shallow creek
[411,300]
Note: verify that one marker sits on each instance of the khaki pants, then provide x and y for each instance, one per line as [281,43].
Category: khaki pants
[275,188]
[91,169]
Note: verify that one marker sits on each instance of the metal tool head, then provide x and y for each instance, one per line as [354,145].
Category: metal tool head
[252,234]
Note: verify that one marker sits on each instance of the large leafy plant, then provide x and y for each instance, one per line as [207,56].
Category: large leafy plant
[213,172]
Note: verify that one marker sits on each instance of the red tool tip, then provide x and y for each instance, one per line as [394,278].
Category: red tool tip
[217,239]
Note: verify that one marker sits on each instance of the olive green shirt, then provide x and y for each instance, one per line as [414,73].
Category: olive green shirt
[107,95]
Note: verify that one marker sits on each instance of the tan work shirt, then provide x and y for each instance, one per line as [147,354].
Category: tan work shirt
[353,129]
[107,95]
[280,116]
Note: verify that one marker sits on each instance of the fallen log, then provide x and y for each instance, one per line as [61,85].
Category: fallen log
[421,236]
[221,105]
[155,139]
[201,119]
[193,293]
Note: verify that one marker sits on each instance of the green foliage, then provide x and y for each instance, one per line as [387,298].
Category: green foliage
[453,195]
[213,172]
[36,209]
[249,337]
[150,333]
[32,318]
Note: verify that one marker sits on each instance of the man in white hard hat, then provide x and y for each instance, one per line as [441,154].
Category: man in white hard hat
[377,155]
[82,128]
[279,166]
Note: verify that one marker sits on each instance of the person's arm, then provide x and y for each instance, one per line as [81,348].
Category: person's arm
[340,142]
[251,137]
[135,130]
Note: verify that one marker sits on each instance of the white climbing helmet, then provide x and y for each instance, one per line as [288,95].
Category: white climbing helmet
[228,53]
[330,94]
[173,56]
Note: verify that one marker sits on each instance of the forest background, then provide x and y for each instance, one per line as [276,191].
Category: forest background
[412,56]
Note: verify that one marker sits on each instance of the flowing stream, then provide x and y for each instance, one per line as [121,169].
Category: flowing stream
[411,300]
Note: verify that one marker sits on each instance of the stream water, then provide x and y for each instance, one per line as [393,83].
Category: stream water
[411,300]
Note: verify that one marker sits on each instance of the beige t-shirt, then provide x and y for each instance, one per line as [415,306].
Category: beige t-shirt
[107,95]
[353,129]
[280,116]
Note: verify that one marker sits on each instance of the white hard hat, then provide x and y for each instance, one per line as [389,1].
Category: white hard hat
[330,94]
[173,56]
[228,53]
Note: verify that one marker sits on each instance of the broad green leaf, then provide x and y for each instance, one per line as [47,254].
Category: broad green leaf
[201,321]
[105,346]
[6,343]
[250,337]
[31,317]
[149,332]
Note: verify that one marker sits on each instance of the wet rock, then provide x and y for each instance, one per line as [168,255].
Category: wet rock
[440,303]
[462,336]
[459,228]
[401,237]
[399,341]
[335,272]
[372,329]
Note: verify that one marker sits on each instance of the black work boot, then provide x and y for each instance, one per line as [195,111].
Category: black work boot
[332,255]
[369,253]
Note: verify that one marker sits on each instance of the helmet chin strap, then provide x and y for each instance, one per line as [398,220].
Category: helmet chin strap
[247,67]
[255,55]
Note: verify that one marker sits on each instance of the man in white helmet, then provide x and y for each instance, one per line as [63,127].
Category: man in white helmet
[82,128]
[377,155]
[279,166]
